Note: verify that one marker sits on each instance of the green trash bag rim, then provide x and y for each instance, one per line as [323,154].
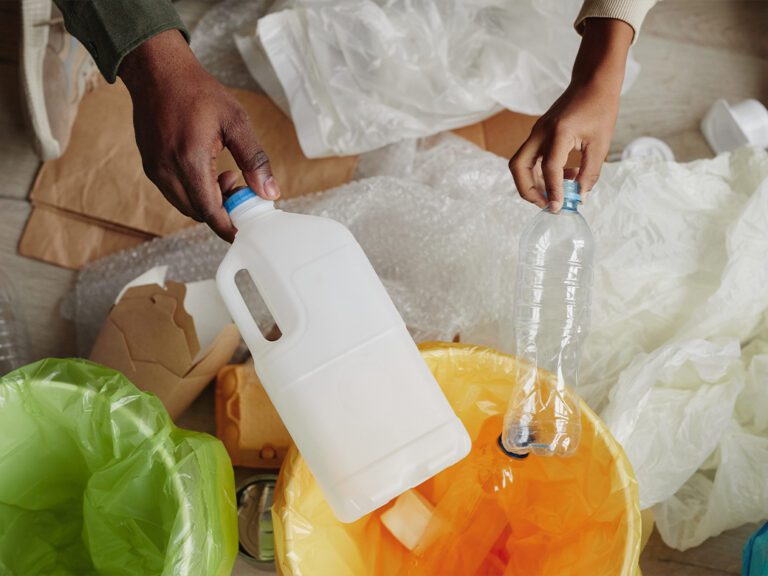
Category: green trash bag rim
[127,406]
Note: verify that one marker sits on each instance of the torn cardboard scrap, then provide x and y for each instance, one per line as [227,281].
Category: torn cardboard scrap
[99,180]
[168,338]
[71,240]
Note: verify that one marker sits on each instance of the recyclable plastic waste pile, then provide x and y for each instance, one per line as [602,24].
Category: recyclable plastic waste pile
[676,361]
[337,69]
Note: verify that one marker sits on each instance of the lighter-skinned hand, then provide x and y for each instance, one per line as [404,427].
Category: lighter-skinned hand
[583,118]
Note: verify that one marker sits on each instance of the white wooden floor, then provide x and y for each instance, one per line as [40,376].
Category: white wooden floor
[692,52]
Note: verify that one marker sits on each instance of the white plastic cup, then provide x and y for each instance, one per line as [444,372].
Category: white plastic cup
[648,147]
[727,128]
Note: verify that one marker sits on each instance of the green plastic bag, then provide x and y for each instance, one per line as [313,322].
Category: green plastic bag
[96,479]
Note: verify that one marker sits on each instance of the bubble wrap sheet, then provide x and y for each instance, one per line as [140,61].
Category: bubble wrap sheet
[676,362]
[213,40]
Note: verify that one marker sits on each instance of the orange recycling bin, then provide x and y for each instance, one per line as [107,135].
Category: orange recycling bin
[490,514]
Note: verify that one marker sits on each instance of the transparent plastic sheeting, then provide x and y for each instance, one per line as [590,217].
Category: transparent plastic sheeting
[213,40]
[676,361]
[341,67]
[96,479]
[492,515]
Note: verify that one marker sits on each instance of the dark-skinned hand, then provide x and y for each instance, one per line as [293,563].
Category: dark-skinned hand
[183,118]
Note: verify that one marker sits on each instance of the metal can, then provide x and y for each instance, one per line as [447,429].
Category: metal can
[254,520]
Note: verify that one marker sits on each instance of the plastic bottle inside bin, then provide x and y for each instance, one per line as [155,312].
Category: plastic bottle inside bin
[345,376]
[550,322]
[14,345]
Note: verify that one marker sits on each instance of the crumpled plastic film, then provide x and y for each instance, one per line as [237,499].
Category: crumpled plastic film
[729,489]
[213,40]
[578,515]
[342,66]
[96,479]
[682,396]
[679,291]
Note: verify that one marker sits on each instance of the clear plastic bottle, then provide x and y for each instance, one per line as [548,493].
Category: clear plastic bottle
[551,319]
[14,347]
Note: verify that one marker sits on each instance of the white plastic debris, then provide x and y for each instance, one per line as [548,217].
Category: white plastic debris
[408,518]
[677,357]
[360,74]
[727,127]
[670,409]
[648,147]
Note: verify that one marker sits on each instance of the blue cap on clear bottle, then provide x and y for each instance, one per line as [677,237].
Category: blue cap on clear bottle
[571,195]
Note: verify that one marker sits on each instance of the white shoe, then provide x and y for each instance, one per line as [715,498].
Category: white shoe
[56,71]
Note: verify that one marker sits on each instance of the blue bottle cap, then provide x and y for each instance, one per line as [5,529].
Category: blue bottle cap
[571,190]
[238,198]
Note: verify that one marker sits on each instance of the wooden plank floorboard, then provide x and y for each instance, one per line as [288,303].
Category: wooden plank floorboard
[732,25]
[678,84]
[18,161]
[39,287]
[719,555]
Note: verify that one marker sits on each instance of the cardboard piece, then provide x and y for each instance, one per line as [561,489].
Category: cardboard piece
[166,342]
[98,185]
[504,133]
[246,421]
[71,241]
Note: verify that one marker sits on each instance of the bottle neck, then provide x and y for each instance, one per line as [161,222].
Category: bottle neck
[571,195]
[251,209]
[571,204]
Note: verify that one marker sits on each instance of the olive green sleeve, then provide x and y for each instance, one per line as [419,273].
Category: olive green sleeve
[110,29]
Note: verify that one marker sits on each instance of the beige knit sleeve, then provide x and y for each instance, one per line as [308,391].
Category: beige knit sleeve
[630,11]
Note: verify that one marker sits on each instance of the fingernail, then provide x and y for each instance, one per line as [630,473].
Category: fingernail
[554,206]
[271,188]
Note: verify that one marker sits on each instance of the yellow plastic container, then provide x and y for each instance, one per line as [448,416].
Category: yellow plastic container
[576,516]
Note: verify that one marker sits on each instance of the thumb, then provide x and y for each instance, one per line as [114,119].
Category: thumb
[250,157]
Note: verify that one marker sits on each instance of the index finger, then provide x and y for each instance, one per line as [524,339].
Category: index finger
[552,166]
[206,197]
[522,166]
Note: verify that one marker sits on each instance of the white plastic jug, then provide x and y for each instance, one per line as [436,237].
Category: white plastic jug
[346,377]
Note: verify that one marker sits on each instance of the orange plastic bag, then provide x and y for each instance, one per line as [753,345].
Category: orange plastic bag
[493,515]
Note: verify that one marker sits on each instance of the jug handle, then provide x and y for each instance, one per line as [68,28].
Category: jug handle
[233,299]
